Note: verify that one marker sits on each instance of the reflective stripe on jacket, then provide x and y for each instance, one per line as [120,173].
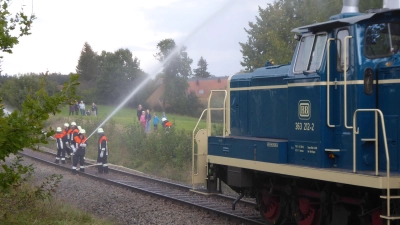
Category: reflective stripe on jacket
[103,144]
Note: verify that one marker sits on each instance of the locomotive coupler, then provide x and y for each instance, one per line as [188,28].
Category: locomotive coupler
[237,199]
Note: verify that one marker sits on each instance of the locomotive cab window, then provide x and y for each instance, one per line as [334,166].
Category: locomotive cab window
[340,49]
[310,53]
[382,40]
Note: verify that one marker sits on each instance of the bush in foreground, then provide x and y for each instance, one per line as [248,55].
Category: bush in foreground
[25,203]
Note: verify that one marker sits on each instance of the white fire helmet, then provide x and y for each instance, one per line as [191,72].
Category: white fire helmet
[73,124]
[58,129]
[100,130]
[66,125]
[82,131]
[79,127]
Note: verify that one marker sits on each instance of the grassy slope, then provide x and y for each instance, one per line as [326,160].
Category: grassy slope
[43,214]
[48,212]
[127,115]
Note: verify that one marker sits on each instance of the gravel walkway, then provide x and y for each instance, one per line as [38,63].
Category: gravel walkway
[120,205]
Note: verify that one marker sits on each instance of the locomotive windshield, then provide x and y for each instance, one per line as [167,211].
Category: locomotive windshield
[310,53]
[382,40]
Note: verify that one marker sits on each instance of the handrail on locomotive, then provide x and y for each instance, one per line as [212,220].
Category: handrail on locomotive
[375,139]
[196,156]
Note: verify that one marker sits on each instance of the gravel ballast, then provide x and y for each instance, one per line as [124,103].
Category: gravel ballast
[121,205]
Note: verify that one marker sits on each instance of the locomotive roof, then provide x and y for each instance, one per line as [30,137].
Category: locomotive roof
[332,24]
[271,71]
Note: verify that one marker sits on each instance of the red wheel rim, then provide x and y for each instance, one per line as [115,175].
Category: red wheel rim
[308,214]
[270,206]
[376,217]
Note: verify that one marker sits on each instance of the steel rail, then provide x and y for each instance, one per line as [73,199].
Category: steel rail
[171,184]
[215,208]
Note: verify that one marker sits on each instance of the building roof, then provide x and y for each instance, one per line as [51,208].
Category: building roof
[202,86]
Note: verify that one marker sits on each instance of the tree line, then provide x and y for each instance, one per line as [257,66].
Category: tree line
[270,37]
[108,77]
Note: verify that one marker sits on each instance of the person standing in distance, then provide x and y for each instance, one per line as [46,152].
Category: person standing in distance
[76,107]
[155,121]
[60,146]
[148,118]
[82,108]
[139,112]
[102,154]
[79,148]
[94,109]
[71,109]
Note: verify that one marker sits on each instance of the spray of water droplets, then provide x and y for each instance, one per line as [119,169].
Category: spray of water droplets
[166,60]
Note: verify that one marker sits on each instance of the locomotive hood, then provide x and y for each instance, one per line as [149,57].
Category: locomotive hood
[272,75]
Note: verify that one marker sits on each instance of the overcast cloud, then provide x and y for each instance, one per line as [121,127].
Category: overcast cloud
[209,28]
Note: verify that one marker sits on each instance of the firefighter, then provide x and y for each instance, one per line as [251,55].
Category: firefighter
[78,146]
[74,132]
[102,154]
[66,139]
[60,146]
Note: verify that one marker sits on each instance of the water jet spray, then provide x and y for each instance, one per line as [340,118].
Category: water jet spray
[167,59]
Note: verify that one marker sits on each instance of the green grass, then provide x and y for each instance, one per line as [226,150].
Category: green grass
[127,115]
[43,213]
[22,210]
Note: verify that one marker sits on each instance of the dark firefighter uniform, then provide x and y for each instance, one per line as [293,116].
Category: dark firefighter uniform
[67,140]
[60,146]
[78,146]
[74,132]
[102,152]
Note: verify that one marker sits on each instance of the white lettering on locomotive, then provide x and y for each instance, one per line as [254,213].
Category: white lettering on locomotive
[272,144]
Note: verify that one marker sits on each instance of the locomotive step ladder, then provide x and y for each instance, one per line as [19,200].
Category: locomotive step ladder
[356,131]
[199,157]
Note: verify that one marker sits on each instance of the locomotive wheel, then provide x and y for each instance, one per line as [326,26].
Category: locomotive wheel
[270,207]
[308,213]
[375,217]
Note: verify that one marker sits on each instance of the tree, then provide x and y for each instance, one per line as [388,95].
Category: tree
[119,74]
[176,71]
[193,104]
[176,61]
[270,36]
[87,63]
[15,89]
[24,128]
[201,71]
[9,23]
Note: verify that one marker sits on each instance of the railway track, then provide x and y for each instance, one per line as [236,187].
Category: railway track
[219,204]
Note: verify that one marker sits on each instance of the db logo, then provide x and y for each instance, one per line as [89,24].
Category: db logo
[304,109]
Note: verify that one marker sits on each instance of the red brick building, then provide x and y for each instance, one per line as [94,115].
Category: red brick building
[200,86]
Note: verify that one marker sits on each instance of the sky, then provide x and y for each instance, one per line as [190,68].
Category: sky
[208,28]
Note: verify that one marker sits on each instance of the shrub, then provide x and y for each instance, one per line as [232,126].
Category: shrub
[160,149]
[161,153]
[17,197]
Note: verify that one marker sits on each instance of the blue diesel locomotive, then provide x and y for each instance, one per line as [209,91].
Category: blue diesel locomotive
[316,141]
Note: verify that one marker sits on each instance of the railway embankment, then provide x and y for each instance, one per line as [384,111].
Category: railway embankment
[119,204]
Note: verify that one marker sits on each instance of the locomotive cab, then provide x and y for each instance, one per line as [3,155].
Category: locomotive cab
[316,141]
